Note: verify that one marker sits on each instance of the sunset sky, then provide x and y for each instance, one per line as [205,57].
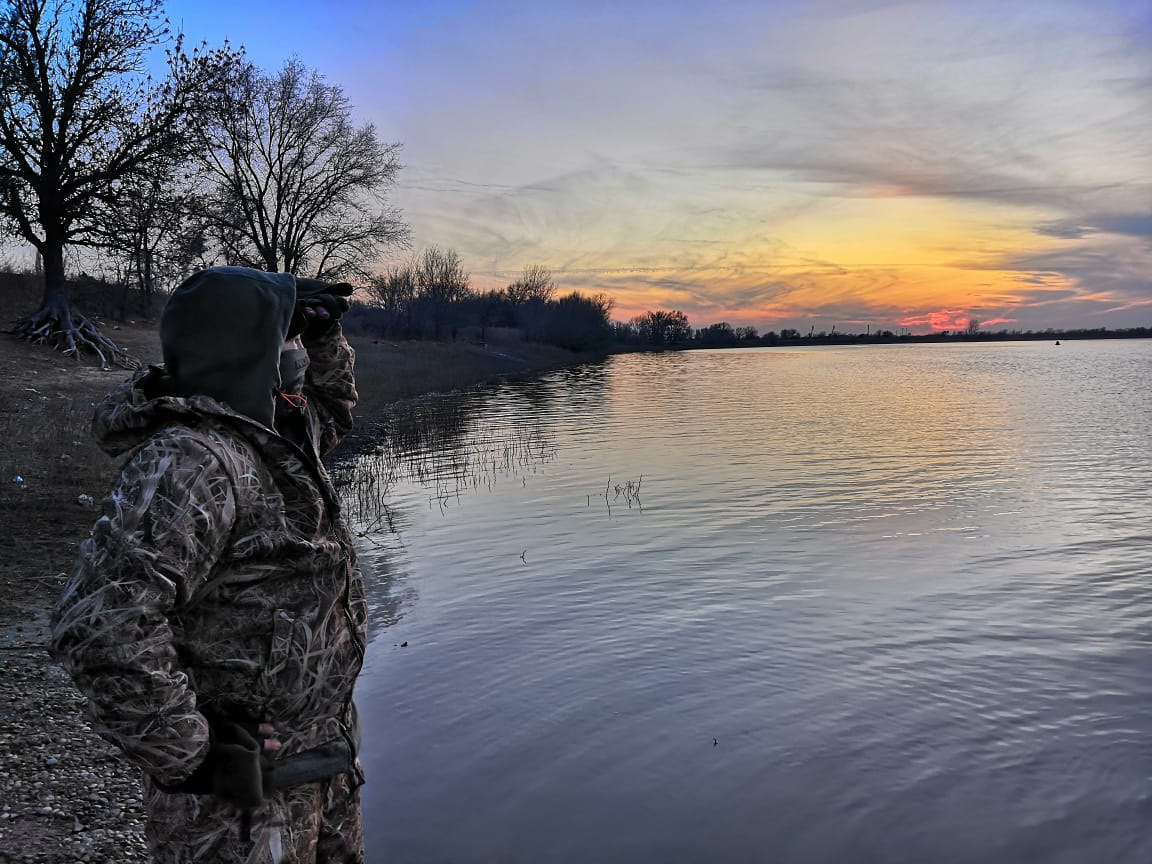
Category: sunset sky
[777,163]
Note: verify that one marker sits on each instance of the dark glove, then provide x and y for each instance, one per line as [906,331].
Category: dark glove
[335,303]
[233,771]
[313,295]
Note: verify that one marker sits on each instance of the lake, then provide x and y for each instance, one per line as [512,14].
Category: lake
[829,604]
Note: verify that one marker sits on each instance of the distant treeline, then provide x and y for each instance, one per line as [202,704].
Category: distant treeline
[672,330]
[709,339]
[571,321]
[430,297]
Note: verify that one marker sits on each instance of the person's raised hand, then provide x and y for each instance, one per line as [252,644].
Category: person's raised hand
[322,304]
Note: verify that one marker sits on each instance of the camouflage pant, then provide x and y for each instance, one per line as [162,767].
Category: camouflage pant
[314,823]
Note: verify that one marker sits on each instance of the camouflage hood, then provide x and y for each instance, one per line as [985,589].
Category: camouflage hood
[221,333]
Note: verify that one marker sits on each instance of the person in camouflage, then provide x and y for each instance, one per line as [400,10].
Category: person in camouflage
[216,616]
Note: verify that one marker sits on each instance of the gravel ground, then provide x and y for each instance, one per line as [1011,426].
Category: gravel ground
[65,795]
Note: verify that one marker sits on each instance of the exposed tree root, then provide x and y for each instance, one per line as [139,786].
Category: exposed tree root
[73,335]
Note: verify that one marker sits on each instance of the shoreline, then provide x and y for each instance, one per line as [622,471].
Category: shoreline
[65,794]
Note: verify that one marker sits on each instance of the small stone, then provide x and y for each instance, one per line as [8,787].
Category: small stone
[51,762]
[44,811]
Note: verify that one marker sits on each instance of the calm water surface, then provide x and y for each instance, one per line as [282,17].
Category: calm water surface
[878,604]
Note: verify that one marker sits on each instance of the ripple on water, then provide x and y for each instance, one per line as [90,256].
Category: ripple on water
[881,604]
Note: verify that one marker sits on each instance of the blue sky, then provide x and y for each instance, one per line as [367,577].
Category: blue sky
[779,164]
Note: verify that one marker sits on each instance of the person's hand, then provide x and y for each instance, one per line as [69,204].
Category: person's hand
[321,310]
[315,312]
[267,733]
[326,307]
[233,769]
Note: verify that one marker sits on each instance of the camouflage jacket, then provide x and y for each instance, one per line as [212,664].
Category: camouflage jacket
[220,577]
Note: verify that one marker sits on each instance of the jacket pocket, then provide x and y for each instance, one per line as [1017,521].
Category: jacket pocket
[286,674]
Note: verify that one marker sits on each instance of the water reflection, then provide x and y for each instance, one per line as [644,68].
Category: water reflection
[445,446]
[878,604]
[389,591]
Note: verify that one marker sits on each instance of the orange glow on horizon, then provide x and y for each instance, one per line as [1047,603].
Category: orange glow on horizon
[933,298]
[879,262]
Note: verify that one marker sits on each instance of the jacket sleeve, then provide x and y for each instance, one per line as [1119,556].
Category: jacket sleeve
[165,524]
[331,385]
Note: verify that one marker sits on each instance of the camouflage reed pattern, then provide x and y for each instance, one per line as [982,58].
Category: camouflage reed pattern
[221,578]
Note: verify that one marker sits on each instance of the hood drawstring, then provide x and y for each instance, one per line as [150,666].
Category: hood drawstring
[296,400]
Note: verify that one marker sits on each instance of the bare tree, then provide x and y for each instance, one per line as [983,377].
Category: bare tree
[535,283]
[155,229]
[79,117]
[395,291]
[442,280]
[298,186]
[663,327]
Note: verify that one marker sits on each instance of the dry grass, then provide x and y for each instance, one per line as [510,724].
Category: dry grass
[443,443]
[49,462]
[49,448]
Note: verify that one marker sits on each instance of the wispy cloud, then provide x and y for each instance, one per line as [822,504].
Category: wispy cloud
[1131,224]
[762,163]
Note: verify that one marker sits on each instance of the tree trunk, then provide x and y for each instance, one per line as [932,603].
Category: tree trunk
[55,300]
[149,287]
[54,322]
